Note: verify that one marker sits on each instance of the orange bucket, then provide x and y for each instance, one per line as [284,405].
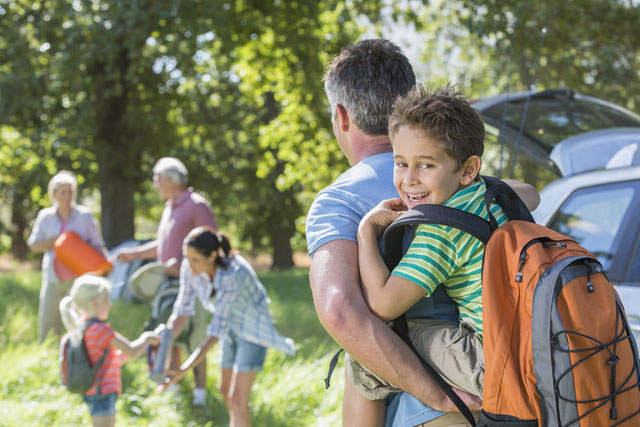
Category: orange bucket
[80,257]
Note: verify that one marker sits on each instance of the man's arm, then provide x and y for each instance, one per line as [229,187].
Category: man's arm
[342,310]
[146,251]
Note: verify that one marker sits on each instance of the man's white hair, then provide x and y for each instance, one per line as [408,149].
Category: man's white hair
[172,168]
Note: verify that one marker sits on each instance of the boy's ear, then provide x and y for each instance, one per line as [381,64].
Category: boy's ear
[342,118]
[470,169]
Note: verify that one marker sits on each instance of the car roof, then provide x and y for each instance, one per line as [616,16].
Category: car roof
[595,150]
[576,132]
[486,102]
[554,194]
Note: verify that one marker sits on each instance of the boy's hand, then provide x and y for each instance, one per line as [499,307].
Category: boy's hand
[384,214]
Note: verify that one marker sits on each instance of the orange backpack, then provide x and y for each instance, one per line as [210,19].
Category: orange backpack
[558,348]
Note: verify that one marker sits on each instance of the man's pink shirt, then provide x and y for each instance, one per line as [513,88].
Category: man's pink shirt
[179,217]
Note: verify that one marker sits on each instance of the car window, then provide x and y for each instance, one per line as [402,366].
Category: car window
[593,217]
[634,269]
[497,161]
[551,120]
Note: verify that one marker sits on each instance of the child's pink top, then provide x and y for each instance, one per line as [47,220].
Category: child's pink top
[97,338]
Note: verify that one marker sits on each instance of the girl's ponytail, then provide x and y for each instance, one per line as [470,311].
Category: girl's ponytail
[225,247]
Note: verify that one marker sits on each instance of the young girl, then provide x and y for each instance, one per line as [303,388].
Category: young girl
[89,298]
[241,317]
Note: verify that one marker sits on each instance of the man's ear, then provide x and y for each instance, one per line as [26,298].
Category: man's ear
[470,170]
[342,117]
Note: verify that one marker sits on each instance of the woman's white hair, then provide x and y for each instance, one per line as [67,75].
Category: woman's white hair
[172,168]
[62,178]
[85,289]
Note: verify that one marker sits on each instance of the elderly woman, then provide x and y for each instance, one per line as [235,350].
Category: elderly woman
[64,215]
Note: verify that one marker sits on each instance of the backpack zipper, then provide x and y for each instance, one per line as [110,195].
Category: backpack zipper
[589,284]
[546,243]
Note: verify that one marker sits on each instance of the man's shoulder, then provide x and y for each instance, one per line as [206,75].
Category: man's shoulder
[337,210]
[197,198]
[377,167]
[372,176]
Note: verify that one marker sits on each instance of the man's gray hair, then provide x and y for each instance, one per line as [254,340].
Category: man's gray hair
[366,78]
[172,168]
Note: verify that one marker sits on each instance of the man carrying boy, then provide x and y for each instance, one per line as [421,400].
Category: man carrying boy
[361,83]
[437,141]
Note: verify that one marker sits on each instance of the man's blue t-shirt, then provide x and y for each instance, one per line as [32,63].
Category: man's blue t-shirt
[335,215]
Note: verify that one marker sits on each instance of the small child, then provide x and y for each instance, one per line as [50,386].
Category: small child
[89,298]
[438,141]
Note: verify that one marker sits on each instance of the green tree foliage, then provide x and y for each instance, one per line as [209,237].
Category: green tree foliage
[26,166]
[589,46]
[489,47]
[105,87]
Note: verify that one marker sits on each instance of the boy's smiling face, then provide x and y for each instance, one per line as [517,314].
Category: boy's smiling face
[424,173]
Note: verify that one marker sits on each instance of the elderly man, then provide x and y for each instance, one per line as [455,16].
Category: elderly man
[184,210]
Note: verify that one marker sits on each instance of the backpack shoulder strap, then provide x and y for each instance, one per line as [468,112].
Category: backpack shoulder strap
[102,359]
[430,214]
[90,321]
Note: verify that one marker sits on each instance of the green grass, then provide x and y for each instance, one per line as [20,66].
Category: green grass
[289,392]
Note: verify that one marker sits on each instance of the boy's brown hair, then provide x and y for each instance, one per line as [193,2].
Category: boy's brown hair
[444,115]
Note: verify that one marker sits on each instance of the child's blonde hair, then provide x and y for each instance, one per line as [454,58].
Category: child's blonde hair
[86,288]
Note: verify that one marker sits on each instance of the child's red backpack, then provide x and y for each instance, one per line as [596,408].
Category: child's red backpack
[77,372]
[558,348]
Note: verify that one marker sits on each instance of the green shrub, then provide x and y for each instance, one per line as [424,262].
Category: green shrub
[289,392]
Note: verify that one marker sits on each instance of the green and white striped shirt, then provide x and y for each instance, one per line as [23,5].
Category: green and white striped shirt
[442,254]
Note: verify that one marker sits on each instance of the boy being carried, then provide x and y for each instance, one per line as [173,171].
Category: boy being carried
[437,143]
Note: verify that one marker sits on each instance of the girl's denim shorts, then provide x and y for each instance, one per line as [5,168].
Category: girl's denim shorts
[101,404]
[242,355]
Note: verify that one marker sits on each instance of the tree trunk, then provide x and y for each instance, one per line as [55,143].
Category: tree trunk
[118,158]
[281,244]
[280,223]
[117,204]
[19,247]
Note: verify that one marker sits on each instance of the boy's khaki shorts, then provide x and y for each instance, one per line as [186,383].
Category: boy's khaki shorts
[453,350]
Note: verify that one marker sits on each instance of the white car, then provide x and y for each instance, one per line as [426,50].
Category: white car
[601,210]
[593,146]
[523,129]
